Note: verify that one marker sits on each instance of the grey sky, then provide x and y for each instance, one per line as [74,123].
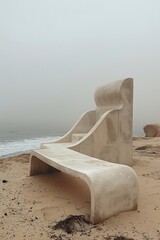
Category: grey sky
[54,53]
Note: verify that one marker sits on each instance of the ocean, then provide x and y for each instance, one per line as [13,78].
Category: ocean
[12,144]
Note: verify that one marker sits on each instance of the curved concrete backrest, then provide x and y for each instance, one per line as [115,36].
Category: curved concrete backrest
[105,133]
[110,138]
[115,95]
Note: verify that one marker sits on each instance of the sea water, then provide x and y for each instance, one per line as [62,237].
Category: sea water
[15,144]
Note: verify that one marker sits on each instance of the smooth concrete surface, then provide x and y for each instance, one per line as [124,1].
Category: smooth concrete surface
[107,130]
[113,187]
[95,149]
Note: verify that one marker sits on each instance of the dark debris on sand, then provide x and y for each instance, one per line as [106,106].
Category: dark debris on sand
[78,223]
[73,223]
[70,225]
[120,237]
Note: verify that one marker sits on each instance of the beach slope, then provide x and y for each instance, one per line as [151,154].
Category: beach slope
[30,206]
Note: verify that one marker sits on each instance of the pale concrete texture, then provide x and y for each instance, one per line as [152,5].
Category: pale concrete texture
[92,149]
[106,132]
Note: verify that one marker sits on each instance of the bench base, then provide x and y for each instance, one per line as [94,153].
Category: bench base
[113,187]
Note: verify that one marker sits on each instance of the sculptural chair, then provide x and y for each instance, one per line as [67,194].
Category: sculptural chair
[97,150]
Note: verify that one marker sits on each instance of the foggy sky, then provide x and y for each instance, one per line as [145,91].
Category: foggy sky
[54,53]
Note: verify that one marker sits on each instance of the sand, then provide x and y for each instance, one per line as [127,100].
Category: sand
[29,206]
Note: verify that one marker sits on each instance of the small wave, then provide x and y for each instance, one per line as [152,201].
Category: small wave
[16,147]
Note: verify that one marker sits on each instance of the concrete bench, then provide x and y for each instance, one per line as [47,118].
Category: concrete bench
[113,187]
[97,149]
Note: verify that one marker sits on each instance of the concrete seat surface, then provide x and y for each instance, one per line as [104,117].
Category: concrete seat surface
[113,187]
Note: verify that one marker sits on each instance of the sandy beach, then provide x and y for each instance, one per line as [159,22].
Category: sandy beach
[31,206]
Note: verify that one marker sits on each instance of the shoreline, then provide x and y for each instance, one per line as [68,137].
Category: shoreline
[29,205]
[17,147]
[17,154]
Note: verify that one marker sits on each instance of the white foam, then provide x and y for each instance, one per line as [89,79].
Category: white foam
[21,146]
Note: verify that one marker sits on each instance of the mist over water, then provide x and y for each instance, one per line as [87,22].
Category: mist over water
[21,135]
[54,54]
